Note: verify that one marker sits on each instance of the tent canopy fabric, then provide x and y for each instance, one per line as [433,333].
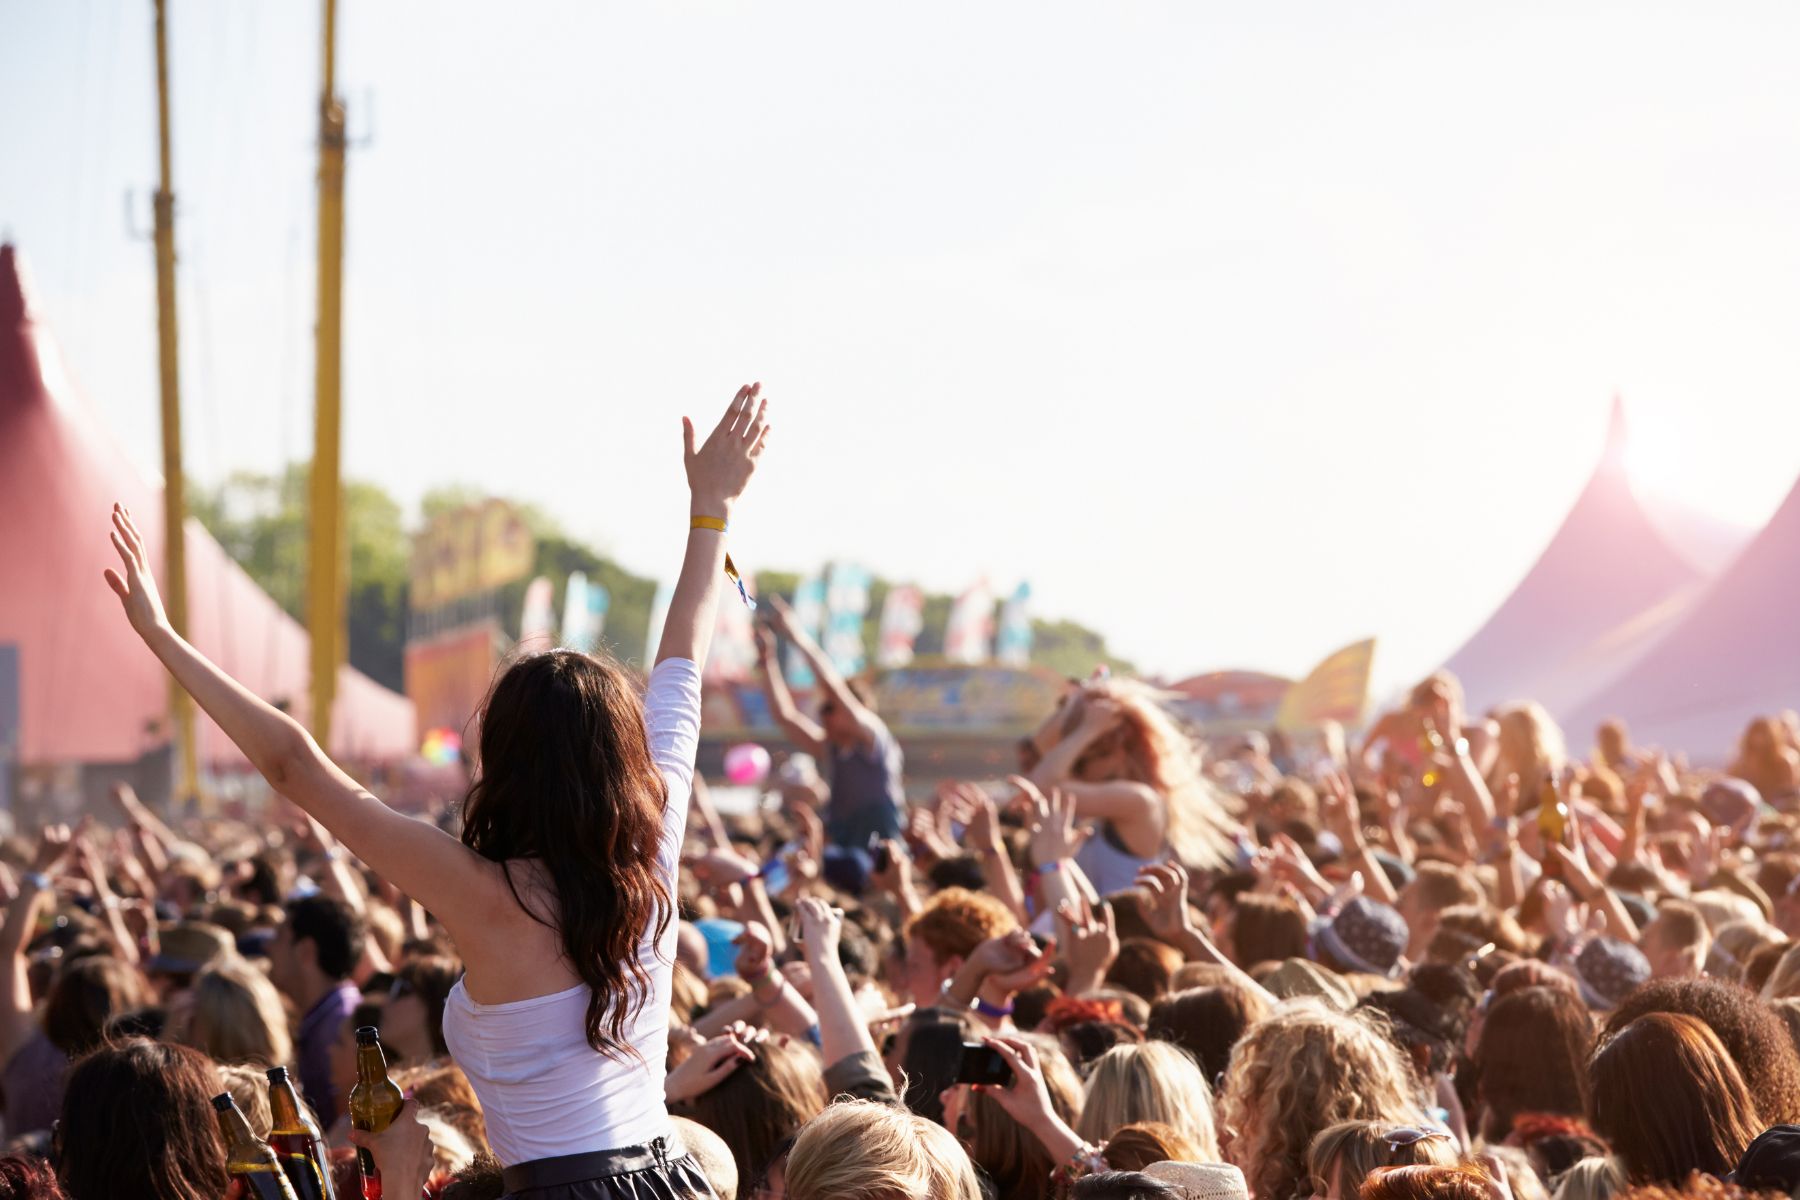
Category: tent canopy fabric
[1606,588]
[89,691]
[1733,656]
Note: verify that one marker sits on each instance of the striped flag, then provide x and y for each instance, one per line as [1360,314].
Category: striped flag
[1013,645]
[969,635]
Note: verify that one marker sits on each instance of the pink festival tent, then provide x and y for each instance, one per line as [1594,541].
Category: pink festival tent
[1733,656]
[88,691]
[1607,588]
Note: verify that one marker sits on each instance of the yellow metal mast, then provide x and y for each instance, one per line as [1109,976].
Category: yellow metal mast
[325,576]
[174,581]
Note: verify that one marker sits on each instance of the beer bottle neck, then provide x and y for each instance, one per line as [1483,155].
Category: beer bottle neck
[371,1065]
[284,1107]
[237,1129]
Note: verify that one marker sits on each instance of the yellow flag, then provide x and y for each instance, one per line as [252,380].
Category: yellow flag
[1335,690]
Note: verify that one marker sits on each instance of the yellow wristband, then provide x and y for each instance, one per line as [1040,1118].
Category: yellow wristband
[718,524]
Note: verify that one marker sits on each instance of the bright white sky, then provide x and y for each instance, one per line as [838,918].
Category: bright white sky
[1241,331]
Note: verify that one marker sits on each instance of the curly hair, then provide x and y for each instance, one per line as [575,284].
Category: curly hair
[1752,1033]
[1303,1069]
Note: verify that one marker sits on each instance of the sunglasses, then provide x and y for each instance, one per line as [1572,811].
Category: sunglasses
[1409,1135]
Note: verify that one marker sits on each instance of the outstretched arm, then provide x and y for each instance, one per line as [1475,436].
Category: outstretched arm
[831,681]
[801,730]
[422,860]
[717,472]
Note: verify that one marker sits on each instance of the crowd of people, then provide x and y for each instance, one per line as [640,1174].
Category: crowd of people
[1450,959]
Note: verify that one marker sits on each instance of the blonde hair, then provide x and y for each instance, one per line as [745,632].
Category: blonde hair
[1301,1070]
[1197,824]
[1151,1081]
[250,1090]
[237,1016]
[860,1150]
[1784,980]
[1531,746]
[1345,1153]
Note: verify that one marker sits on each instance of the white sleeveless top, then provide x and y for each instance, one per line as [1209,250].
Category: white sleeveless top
[544,1091]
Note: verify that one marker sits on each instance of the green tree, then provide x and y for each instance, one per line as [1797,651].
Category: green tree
[261,521]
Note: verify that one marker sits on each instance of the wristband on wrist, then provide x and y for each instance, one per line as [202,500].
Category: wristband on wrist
[721,526]
[37,879]
[1055,864]
[996,1011]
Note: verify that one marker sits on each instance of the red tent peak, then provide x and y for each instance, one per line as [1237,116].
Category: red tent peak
[13,303]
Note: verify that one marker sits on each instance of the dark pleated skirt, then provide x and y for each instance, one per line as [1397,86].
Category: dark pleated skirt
[659,1170]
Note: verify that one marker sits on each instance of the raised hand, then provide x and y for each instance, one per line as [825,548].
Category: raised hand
[1164,902]
[707,1067]
[136,588]
[719,469]
[821,926]
[54,844]
[1054,834]
[1090,943]
[755,950]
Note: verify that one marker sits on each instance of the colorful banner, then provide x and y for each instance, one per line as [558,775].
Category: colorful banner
[471,550]
[448,677]
[537,623]
[846,604]
[1336,690]
[902,617]
[1013,644]
[988,699]
[809,614]
[584,613]
[969,635]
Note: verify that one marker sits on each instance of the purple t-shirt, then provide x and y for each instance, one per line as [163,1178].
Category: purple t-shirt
[318,1030]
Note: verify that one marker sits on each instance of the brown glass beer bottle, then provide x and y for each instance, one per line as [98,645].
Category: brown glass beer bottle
[374,1103]
[255,1172]
[296,1140]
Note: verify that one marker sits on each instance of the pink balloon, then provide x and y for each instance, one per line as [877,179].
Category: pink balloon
[746,764]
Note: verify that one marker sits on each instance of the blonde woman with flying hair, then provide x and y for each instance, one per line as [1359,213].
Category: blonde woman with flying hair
[1295,1074]
[1152,1081]
[860,1150]
[235,1015]
[1136,778]
[1531,746]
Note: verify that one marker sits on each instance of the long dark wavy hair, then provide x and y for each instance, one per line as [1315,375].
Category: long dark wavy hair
[565,777]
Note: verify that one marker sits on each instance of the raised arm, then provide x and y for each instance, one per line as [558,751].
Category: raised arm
[16,1020]
[717,472]
[801,729]
[831,681]
[422,860]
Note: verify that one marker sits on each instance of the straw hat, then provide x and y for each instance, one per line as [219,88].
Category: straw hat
[1202,1181]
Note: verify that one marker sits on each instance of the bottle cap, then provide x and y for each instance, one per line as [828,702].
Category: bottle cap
[277,1075]
[223,1102]
[368,1035]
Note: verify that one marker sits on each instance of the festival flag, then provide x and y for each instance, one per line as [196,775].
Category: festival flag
[969,634]
[584,613]
[574,625]
[809,614]
[846,604]
[1335,690]
[1013,644]
[902,617]
[537,623]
